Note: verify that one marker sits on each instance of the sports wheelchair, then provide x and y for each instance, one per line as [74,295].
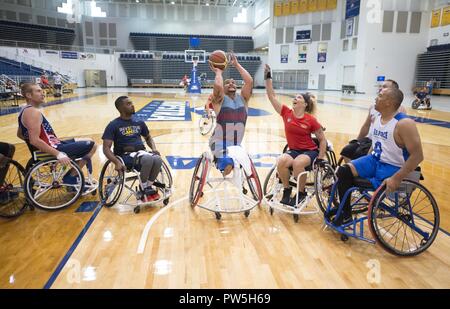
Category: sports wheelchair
[241,182]
[424,104]
[12,196]
[404,223]
[112,183]
[317,176]
[44,185]
[207,123]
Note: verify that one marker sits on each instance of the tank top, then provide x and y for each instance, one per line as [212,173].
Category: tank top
[385,149]
[47,134]
[230,127]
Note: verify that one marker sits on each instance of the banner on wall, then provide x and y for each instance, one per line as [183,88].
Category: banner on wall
[331,4]
[303,36]
[302,53]
[303,6]
[294,7]
[312,5]
[352,8]
[278,11]
[349,27]
[322,49]
[69,55]
[286,8]
[435,18]
[445,16]
[87,56]
[284,52]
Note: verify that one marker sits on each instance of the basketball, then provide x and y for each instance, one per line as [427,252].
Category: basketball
[218,59]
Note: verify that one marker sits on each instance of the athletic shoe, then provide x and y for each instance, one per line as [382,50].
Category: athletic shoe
[286,196]
[301,198]
[342,220]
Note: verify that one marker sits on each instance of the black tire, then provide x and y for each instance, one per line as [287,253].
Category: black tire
[267,187]
[415,104]
[198,181]
[137,209]
[296,217]
[166,202]
[105,185]
[324,178]
[54,200]
[218,215]
[254,184]
[247,213]
[165,173]
[13,202]
[397,207]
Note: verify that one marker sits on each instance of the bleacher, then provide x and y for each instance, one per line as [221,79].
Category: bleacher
[433,65]
[14,68]
[14,31]
[181,42]
[171,67]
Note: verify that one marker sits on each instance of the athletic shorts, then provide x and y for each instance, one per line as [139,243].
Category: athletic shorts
[375,171]
[312,154]
[357,148]
[74,149]
[223,162]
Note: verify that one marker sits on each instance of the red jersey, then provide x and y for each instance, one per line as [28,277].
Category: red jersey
[298,130]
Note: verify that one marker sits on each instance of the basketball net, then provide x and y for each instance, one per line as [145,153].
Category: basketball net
[195,62]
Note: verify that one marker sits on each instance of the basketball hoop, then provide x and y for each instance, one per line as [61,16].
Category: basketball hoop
[195,62]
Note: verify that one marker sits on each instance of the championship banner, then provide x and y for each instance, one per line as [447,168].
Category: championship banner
[294,7]
[284,52]
[278,10]
[322,49]
[331,4]
[302,53]
[321,5]
[312,5]
[352,8]
[286,8]
[303,36]
[445,16]
[435,18]
[303,6]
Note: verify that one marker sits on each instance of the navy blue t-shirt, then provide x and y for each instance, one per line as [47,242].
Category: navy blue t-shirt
[126,133]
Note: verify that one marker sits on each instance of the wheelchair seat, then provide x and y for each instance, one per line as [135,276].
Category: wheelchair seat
[362,183]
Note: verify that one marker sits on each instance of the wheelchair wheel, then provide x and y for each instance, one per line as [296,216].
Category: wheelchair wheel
[324,179]
[270,181]
[415,104]
[206,125]
[12,197]
[198,180]
[165,177]
[111,184]
[254,184]
[46,189]
[405,222]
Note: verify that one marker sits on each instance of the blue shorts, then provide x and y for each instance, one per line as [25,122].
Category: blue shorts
[373,170]
[75,150]
[223,162]
[312,154]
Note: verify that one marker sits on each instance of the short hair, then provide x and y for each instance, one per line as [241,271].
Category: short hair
[397,97]
[393,83]
[26,88]
[119,101]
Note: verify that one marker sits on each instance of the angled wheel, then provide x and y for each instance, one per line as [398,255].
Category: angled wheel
[405,222]
[324,179]
[206,124]
[198,180]
[254,184]
[165,177]
[46,188]
[270,182]
[111,184]
[12,196]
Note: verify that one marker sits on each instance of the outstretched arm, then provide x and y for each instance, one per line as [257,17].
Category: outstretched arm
[270,92]
[218,92]
[247,89]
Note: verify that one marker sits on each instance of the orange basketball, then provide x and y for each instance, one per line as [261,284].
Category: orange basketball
[218,59]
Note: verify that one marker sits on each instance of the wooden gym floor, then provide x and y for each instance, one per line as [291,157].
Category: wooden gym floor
[189,248]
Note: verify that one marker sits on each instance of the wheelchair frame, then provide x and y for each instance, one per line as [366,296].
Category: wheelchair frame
[211,124]
[216,204]
[166,191]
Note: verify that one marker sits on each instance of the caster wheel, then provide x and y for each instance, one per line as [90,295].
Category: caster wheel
[218,216]
[245,191]
[271,211]
[296,217]
[94,193]
[166,202]
[31,207]
[247,213]
[201,194]
[137,210]
[344,237]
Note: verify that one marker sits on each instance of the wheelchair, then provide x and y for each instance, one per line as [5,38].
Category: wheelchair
[207,124]
[242,186]
[424,104]
[404,223]
[112,183]
[44,185]
[318,176]
[13,201]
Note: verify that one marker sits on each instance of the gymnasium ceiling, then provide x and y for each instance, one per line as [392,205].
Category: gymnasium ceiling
[222,3]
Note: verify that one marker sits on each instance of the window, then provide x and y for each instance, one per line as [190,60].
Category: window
[279,33]
[388,21]
[326,32]
[289,35]
[416,19]
[355,43]
[402,22]
[345,46]
[315,33]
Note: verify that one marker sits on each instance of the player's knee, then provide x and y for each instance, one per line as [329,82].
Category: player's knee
[344,172]
[285,161]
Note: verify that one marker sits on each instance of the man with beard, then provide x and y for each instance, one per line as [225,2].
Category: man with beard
[125,133]
[231,110]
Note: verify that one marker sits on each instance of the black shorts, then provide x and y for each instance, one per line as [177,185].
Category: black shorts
[312,154]
[357,148]
[6,149]
[58,86]
[74,149]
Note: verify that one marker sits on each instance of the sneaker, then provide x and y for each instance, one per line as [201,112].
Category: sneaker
[286,196]
[153,197]
[342,220]
[293,200]
[150,191]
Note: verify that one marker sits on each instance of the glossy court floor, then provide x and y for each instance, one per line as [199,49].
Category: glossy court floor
[189,248]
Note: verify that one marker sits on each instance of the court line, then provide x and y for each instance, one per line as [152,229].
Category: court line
[148,226]
[72,248]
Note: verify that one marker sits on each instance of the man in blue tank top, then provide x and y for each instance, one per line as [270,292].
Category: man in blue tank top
[231,110]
